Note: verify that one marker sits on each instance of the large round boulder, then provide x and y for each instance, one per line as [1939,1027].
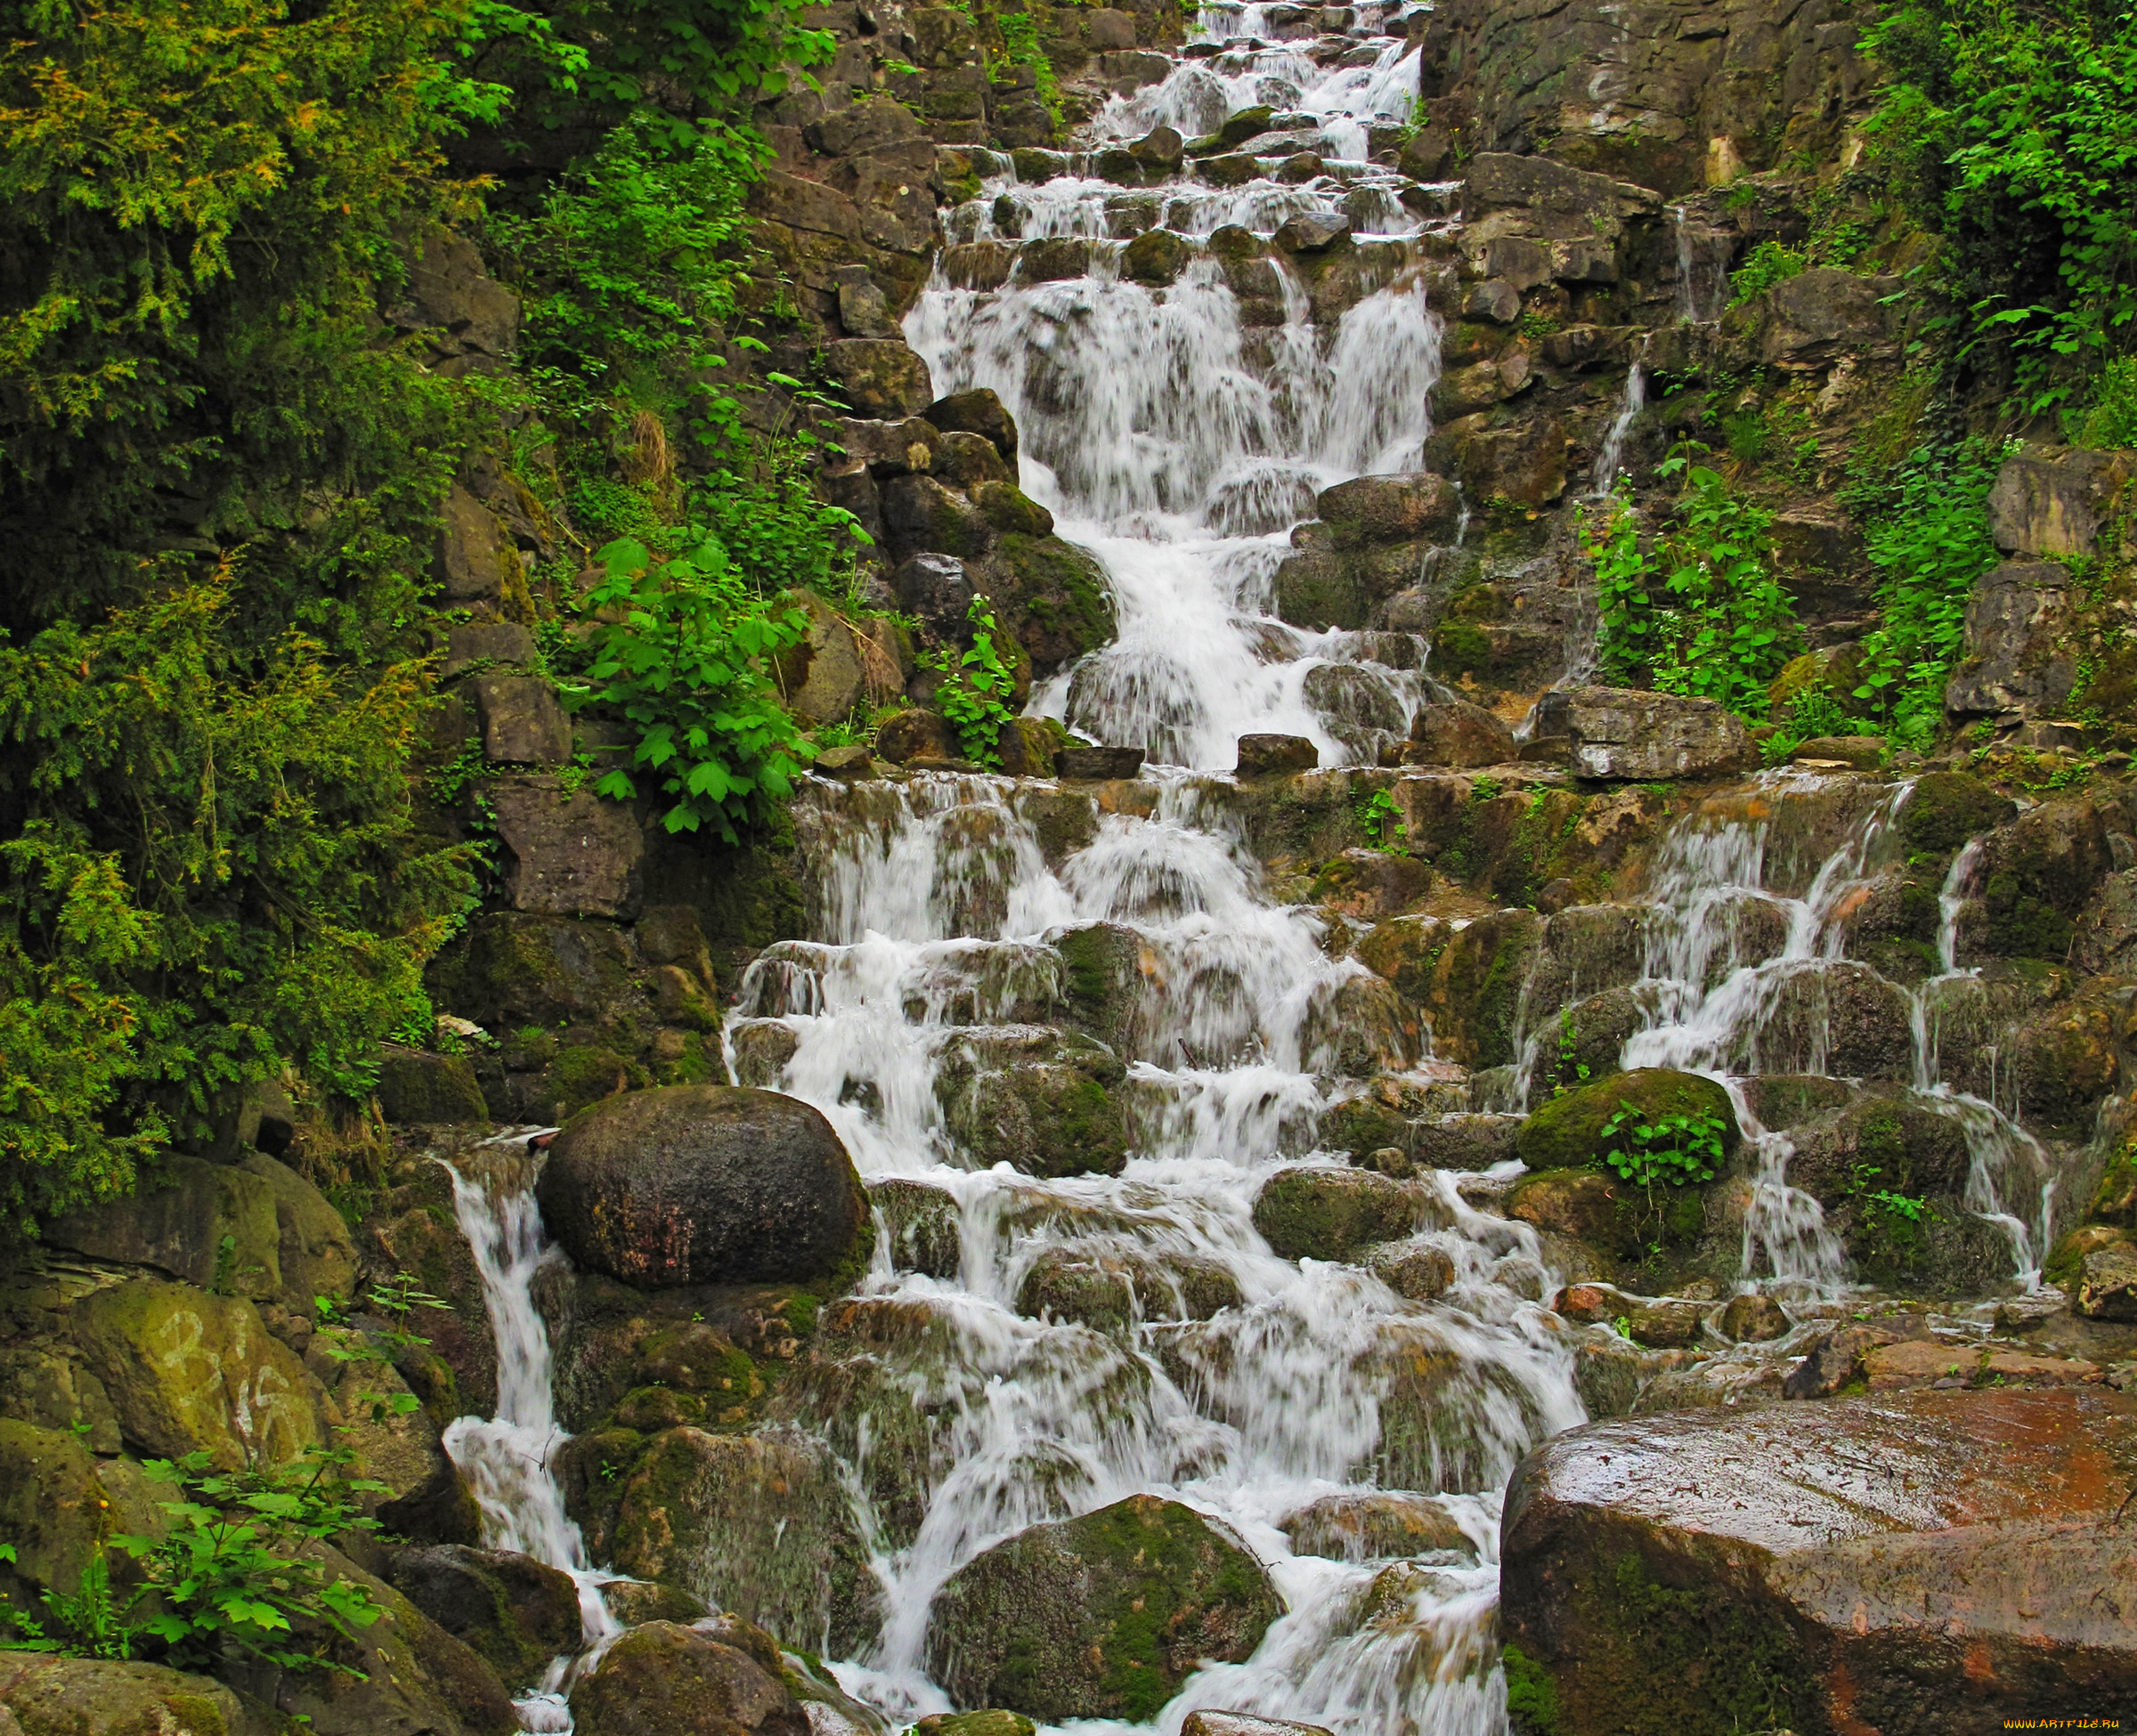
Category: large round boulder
[664,1679]
[1568,1131]
[1101,1617]
[705,1184]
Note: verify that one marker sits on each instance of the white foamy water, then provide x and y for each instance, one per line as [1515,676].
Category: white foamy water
[939,907]
[507,1458]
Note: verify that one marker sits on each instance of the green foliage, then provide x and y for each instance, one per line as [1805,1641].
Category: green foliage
[631,260]
[1727,627]
[91,1623]
[1021,47]
[2110,421]
[1381,816]
[762,506]
[1812,711]
[212,870]
[228,1573]
[1678,1148]
[1532,1696]
[2011,131]
[686,663]
[977,685]
[1928,548]
[1767,265]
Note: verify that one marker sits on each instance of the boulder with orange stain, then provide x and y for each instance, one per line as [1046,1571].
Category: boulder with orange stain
[1898,1563]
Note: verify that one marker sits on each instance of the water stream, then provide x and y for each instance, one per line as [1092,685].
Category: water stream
[1181,444]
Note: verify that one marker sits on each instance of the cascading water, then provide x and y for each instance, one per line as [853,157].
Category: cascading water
[505,1458]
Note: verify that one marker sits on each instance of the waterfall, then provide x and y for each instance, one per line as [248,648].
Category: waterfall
[938,906]
[1612,455]
[507,1458]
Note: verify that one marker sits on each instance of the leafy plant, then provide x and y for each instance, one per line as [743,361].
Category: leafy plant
[227,1573]
[91,1622]
[1767,265]
[1022,47]
[1928,549]
[686,663]
[2009,130]
[1675,1149]
[1813,711]
[976,687]
[1727,627]
[1381,816]
[2110,421]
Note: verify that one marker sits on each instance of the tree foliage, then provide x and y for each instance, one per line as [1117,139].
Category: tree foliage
[2013,126]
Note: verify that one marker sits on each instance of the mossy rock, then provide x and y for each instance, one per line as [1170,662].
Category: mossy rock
[1046,1102]
[416,1088]
[1476,988]
[514,1612]
[1101,1616]
[189,1371]
[990,1723]
[584,1073]
[51,1696]
[2115,1200]
[1051,594]
[514,969]
[1311,1213]
[1568,1132]
[1103,980]
[1947,808]
[921,1226]
[755,1525]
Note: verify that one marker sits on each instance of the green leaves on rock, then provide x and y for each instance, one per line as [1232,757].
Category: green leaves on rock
[682,655]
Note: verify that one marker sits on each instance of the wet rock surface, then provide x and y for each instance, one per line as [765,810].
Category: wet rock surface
[1931,1560]
[1101,1616]
[704,1184]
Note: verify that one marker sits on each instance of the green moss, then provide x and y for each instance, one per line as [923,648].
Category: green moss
[1947,808]
[198,1714]
[1532,1696]
[1696,1660]
[2115,1200]
[2021,925]
[586,1073]
[1568,1132]
[1459,647]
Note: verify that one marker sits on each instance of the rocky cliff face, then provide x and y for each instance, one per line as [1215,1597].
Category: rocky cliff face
[1278,1122]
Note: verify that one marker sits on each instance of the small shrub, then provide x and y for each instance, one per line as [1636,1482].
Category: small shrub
[1767,265]
[1675,1149]
[686,664]
[973,697]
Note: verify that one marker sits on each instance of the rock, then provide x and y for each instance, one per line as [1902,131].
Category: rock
[1944,810]
[849,765]
[47,1696]
[2107,1284]
[1388,510]
[1101,1616]
[1464,1142]
[1455,733]
[1366,1525]
[1313,1213]
[923,515]
[1931,1560]
[636,1602]
[1414,1270]
[1053,595]
[406,1675]
[1835,1362]
[2015,661]
[1494,299]
[1044,1102]
[522,721]
[1625,735]
[1811,319]
[1754,1320]
[975,1724]
[1861,753]
[705,1184]
[514,1612]
[1666,1324]
[478,644]
[1244,1723]
[921,1226]
[664,1679]
[475,558]
[1370,885]
[978,411]
[755,1524]
[1313,231]
[2045,504]
[1082,762]
[1155,256]
[1567,1131]
[879,376]
[1271,756]
[285,1245]
[1112,1290]
[912,735]
[190,1371]
[419,1089]
[568,852]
